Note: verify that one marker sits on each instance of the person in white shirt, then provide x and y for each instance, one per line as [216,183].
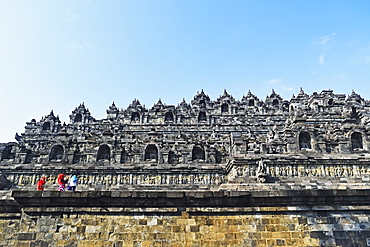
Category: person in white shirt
[73,183]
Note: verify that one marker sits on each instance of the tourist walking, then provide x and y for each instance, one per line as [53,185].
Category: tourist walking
[41,184]
[72,183]
[62,182]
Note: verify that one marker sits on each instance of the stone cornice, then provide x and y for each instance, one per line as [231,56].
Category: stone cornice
[51,201]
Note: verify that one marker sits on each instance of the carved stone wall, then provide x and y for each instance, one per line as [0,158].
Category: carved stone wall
[204,131]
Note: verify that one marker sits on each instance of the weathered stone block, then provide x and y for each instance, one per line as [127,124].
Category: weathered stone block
[40,243]
[26,236]
[171,194]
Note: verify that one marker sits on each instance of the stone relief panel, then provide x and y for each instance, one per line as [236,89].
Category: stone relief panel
[333,171]
[125,179]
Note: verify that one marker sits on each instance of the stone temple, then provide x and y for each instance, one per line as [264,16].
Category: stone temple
[222,172]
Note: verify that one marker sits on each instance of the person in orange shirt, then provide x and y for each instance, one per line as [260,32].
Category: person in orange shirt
[41,184]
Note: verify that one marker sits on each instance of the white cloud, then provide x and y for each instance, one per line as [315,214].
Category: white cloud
[320,78]
[92,3]
[280,84]
[361,56]
[352,43]
[236,33]
[73,8]
[322,60]
[76,47]
[71,11]
[286,88]
[332,78]
[325,39]
[274,81]
[71,16]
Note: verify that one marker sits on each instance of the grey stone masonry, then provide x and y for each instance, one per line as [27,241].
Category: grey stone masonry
[328,199]
[203,132]
[199,145]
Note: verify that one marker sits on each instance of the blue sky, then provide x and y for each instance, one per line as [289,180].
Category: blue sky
[58,54]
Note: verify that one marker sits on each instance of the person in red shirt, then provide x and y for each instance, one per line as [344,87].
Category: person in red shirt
[62,182]
[41,184]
